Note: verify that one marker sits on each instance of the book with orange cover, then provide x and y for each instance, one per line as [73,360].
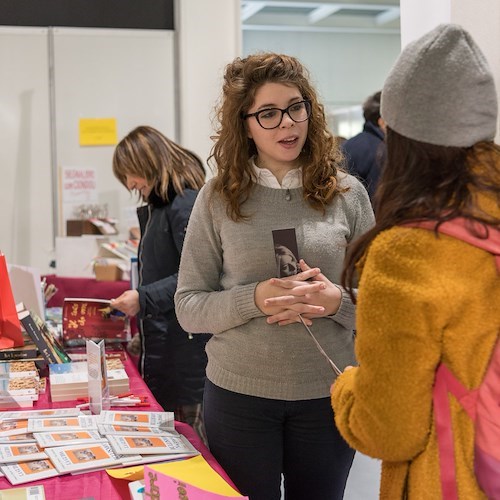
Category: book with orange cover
[83,457]
[26,472]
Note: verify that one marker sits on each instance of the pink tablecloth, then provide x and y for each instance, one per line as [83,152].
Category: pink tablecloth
[99,485]
[83,287]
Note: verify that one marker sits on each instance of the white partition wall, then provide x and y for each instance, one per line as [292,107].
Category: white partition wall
[481,19]
[209,38]
[98,73]
[26,233]
[123,74]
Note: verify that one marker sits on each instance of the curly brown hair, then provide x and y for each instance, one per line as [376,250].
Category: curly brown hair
[321,158]
[147,153]
[422,181]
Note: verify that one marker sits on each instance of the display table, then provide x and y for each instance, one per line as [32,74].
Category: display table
[88,288]
[99,485]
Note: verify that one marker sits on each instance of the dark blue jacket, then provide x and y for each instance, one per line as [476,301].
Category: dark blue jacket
[365,154]
[172,361]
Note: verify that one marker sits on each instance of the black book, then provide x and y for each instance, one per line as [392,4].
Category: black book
[36,335]
[27,351]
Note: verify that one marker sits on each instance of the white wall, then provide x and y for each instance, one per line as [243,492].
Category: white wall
[346,68]
[481,19]
[122,74]
[209,37]
[25,187]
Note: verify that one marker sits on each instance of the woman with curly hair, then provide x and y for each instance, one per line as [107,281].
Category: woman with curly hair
[266,400]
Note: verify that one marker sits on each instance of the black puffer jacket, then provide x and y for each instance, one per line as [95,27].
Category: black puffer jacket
[365,154]
[172,362]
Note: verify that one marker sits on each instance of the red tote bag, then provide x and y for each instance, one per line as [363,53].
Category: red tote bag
[10,328]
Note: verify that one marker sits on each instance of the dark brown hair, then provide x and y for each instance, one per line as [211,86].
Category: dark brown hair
[428,182]
[145,152]
[320,158]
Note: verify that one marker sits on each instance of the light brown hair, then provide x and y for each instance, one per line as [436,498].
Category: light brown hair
[145,152]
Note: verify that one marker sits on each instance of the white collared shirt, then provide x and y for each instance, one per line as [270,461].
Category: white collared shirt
[292,179]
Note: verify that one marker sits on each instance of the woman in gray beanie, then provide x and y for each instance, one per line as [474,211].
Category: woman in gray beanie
[425,299]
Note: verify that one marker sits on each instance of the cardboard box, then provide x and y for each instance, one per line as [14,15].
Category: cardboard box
[107,272]
[75,254]
[77,227]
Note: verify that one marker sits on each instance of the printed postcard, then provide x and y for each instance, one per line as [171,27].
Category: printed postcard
[20,452]
[164,420]
[18,438]
[13,427]
[126,430]
[50,439]
[151,459]
[147,445]
[62,424]
[29,471]
[33,492]
[60,412]
[82,457]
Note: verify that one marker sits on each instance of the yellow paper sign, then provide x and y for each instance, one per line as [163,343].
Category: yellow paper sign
[195,471]
[98,132]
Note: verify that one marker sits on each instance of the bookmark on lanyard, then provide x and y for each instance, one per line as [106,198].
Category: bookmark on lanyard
[333,366]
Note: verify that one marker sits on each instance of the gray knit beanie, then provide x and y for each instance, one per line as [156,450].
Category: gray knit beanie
[441,90]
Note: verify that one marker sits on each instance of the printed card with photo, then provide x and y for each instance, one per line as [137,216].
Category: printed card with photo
[148,445]
[164,420]
[50,439]
[57,424]
[18,438]
[60,412]
[82,457]
[20,452]
[13,427]
[150,459]
[126,430]
[125,461]
[286,252]
[26,472]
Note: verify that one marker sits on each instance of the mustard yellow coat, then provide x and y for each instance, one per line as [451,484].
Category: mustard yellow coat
[422,300]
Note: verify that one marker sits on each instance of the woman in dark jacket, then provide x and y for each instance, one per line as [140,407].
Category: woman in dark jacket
[167,177]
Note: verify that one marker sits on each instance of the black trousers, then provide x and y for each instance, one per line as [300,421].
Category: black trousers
[256,440]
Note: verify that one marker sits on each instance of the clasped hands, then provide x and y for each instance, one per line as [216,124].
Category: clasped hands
[309,293]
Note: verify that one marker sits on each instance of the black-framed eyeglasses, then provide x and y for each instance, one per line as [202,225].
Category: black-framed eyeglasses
[272,117]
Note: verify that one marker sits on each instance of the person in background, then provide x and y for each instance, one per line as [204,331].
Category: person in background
[424,299]
[266,404]
[365,151]
[167,178]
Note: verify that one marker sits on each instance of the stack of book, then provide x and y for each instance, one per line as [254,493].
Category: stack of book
[49,348]
[69,381]
[19,384]
[68,442]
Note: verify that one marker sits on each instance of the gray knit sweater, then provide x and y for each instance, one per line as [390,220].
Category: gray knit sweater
[222,261]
